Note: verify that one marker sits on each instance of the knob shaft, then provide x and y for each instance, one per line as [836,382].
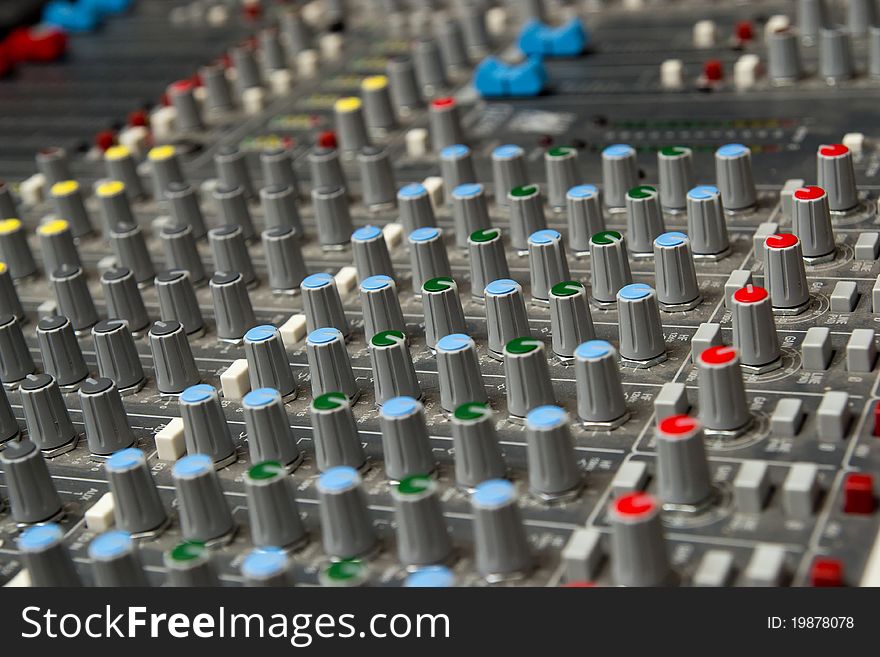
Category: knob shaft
[106,423]
[204,513]
[270,436]
[205,429]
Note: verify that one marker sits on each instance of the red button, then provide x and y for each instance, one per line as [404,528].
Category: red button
[442,103]
[635,504]
[744,31]
[833,150]
[809,193]
[6,62]
[781,241]
[137,118]
[678,425]
[858,493]
[36,44]
[750,294]
[181,86]
[327,139]
[826,572]
[877,419]
[713,71]
[105,139]
[718,355]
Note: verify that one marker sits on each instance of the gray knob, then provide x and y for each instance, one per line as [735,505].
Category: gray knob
[422,537]
[295,32]
[15,250]
[268,365]
[277,167]
[233,311]
[429,69]
[394,373]
[279,207]
[329,364]
[183,201]
[451,41]
[506,316]
[180,250]
[620,173]
[754,330]
[457,166]
[332,216]
[469,211]
[508,170]
[428,257]
[783,56]
[812,15]
[644,219]
[335,432]
[53,163]
[8,207]
[68,201]
[232,208]
[346,528]
[835,54]
[415,206]
[571,322]
[477,454]
[189,564]
[137,507]
[784,274]
[836,176]
[444,123]
[271,50]
[268,428]
[230,252]
[113,201]
[117,355]
[351,129]
[552,462]
[682,468]
[45,415]
[561,166]
[173,360]
[722,395]
[204,513]
[381,305]
[600,399]
[674,272]
[322,305]
[232,169]
[641,334]
[502,548]
[488,261]
[706,224]
[123,298]
[584,209]
[32,493]
[205,429]
[639,556]
[165,168]
[370,252]
[405,92]
[121,166]
[247,71]
[458,369]
[177,301]
[9,428]
[405,445]
[272,508]
[325,168]
[130,246]
[115,561]
[473,25]
[57,245]
[547,263]
[218,95]
[675,165]
[526,376]
[46,557]
[811,222]
[106,424]
[187,117]
[284,259]
[377,178]
[526,215]
[378,110]
[733,175]
[874,51]
[15,357]
[443,311]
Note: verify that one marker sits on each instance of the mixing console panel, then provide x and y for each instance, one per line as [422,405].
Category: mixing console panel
[440,293]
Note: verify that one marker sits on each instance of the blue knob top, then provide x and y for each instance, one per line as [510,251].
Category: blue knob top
[110,545]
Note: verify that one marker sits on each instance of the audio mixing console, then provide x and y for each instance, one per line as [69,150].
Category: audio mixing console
[440,293]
